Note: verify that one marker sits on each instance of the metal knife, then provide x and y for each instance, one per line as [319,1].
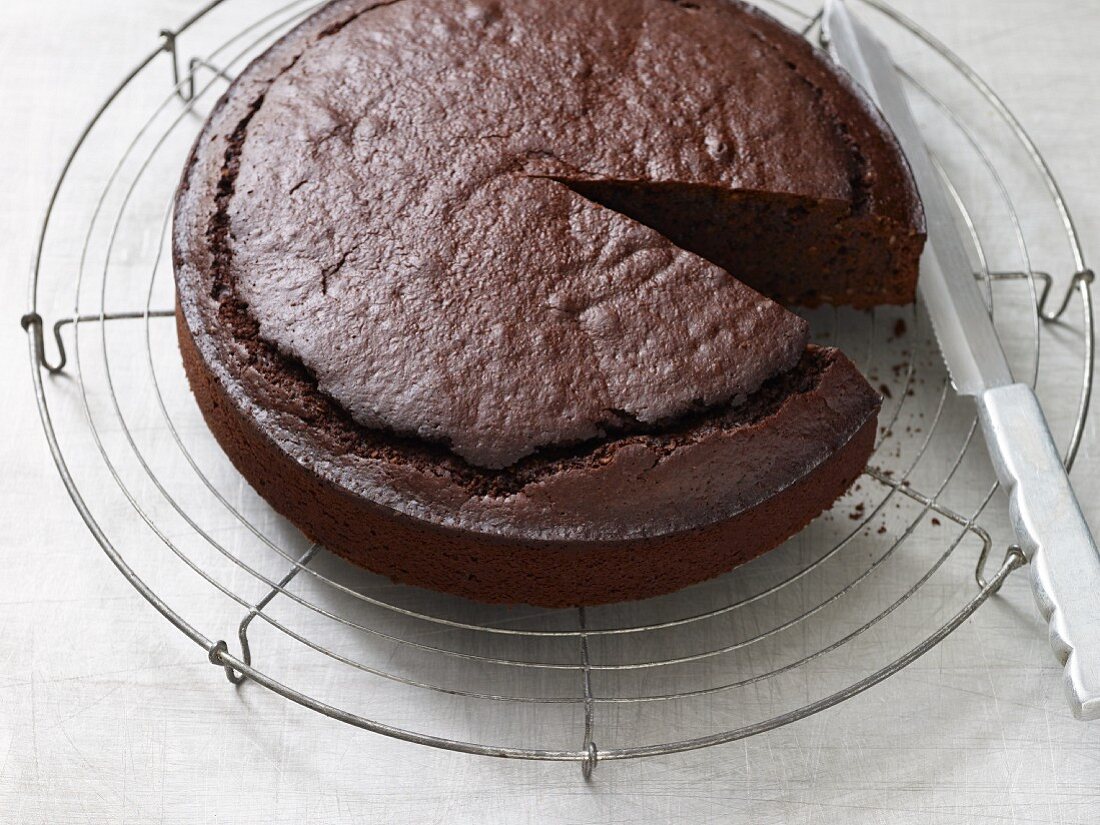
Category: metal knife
[1052,531]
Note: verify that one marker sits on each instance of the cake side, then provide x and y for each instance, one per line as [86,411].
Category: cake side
[497,567]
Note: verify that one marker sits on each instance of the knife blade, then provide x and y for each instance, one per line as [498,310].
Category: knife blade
[1047,519]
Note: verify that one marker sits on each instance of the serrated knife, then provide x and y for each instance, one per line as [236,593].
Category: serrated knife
[1052,531]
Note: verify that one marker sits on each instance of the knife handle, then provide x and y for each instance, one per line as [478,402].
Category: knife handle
[1053,533]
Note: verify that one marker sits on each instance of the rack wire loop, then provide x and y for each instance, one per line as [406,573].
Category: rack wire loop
[1083,278]
[242,629]
[32,323]
[219,655]
[184,86]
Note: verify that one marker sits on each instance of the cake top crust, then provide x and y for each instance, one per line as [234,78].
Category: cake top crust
[394,218]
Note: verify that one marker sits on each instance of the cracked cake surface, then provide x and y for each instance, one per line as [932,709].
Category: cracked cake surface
[515,270]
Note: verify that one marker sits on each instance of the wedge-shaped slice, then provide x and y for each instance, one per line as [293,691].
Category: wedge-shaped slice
[799,250]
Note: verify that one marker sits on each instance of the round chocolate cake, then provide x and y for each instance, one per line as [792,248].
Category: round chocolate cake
[489,296]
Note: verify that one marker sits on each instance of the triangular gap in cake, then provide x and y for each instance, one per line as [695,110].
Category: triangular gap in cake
[797,250]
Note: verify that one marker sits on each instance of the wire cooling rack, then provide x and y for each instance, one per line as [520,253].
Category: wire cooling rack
[896,566]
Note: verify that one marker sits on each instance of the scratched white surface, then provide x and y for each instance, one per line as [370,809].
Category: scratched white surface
[107,714]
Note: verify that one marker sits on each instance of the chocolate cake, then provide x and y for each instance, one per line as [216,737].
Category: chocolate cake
[488,296]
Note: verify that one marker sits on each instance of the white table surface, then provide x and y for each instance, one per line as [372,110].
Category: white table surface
[107,714]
